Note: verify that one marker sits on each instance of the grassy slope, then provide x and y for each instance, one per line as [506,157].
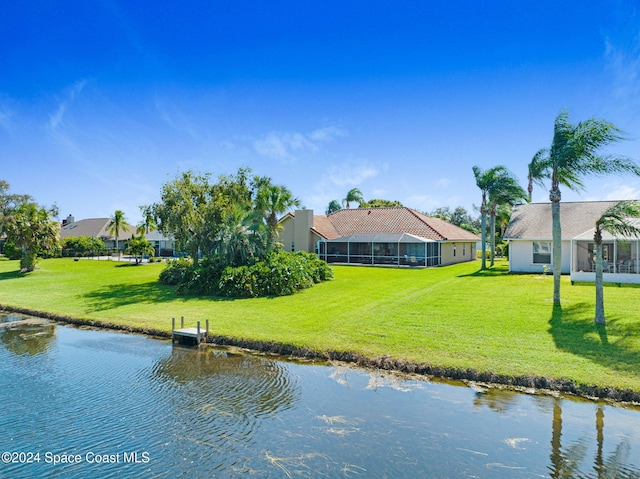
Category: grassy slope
[450,317]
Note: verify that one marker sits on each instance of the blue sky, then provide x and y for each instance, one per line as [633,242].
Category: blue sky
[101,102]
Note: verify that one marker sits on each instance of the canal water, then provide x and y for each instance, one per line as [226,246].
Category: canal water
[83,403]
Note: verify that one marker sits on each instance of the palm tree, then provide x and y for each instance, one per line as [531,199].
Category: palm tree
[485,180]
[32,229]
[334,206]
[616,221]
[538,170]
[148,222]
[242,239]
[117,223]
[575,153]
[271,201]
[504,191]
[354,194]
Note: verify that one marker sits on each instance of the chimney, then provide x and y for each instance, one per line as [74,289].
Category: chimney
[302,230]
[70,219]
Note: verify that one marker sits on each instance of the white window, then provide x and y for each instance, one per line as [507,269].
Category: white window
[542,252]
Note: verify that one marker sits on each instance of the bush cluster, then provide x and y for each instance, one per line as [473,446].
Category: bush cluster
[280,273]
[82,246]
[11,251]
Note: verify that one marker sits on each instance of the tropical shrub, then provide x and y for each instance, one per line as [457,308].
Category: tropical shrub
[82,246]
[177,271]
[11,251]
[280,273]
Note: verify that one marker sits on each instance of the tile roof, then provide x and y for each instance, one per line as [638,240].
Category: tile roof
[324,227]
[95,227]
[394,220]
[533,220]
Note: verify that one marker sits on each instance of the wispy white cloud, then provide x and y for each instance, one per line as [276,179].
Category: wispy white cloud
[283,146]
[429,203]
[56,119]
[338,179]
[329,133]
[351,174]
[177,120]
[623,192]
[287,146]
[624,65]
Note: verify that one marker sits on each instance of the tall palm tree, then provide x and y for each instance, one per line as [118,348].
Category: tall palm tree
[616,221]
[116,224]
[486,180]
[354,194]
[504,191]
[271,201]
[574,154]
[538,170]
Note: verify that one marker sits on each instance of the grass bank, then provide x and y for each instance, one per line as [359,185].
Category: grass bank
[454,318]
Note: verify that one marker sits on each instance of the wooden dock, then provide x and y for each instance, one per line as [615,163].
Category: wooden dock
[188,335]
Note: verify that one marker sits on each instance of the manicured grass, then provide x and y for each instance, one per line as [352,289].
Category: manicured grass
[454,316]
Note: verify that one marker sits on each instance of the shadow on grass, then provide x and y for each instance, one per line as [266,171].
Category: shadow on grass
[613,345]
[490,271]
[117,295]
[11,275]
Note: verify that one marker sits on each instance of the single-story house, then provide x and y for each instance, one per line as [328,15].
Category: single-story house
[96,228]
[392,236]
[99,228]
[530,242]
[162,245]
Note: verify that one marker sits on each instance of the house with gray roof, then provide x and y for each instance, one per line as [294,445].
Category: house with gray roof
[99,228]
[95,228]
[530,242]
[392,236]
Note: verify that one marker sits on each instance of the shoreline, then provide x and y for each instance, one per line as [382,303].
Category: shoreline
[523,384]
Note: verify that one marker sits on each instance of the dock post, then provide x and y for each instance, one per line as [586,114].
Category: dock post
[198,337]
[181,322]
[206,333]
[173,328]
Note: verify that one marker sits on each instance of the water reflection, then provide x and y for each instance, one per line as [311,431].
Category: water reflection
[221,401]
[498,400]
[214,413]
[567,462]
[246,385]
[21,336]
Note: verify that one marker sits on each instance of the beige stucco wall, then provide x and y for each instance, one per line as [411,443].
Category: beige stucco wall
[296,231]
[286,233]
[463,252]
[302,231]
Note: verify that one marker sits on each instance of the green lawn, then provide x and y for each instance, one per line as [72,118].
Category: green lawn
[453,316]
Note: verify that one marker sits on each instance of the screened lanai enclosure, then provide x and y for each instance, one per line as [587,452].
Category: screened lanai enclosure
[621,259]
[395,249]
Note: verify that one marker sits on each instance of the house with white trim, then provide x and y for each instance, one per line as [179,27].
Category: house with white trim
[99,228]
[379,236]
[530,242]
[96,228]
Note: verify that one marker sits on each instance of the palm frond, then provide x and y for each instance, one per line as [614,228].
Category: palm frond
[617,220]
[539,167]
